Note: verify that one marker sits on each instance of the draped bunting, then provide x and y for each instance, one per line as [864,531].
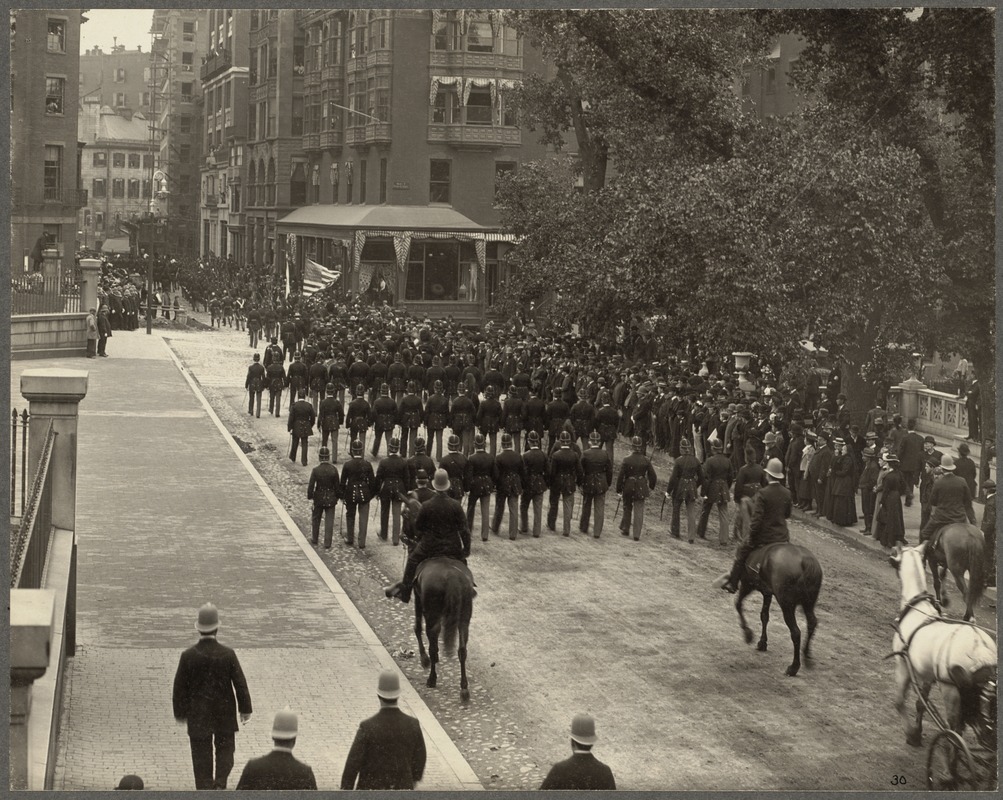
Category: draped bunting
[496,17]
[291,247]
[348,170]
[360,242]
[402,247]
[365,276]
[464,21]
[444,80]
[436,18]
[334,173]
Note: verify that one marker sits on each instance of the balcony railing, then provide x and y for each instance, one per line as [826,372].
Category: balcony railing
[311,141]
[376,133]
[475,137]
[216,63]
[371,59]
[331,139]
[461,59]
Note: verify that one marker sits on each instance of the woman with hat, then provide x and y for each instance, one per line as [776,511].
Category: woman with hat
[841,487]
[868,480]
[889,524]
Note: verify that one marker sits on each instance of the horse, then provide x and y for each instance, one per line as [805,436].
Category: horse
[444,597]
[790,572]
[959,548]
[958,655]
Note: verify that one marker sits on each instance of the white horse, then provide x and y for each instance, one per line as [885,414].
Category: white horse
[959,656]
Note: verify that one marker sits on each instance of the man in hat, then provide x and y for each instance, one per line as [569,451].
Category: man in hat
[965,468]
[273,353]
[275,377]
[358,486]
[317,376]
[280,769]
[866,484]
[384,417]
[357,418]
[436,416]
[950,501]
[301,421]
[771,508]
[718,475]
[461,420]
[534,464]
[583,771]
[683,487]
[92,333]
[509,486]
[323,489]
[388,751]
[488,418]
[441,529]
[607,422]
[298,376]
[409,414]
[455,464]
[331,416]
[564,475]
[989,530]
[104,330]
[597,477]
[556,413]
[479,480]
[420,460]
[634,484]
[255,385]
[511,420]
[205,684]
[910,453]
[130,782]
[392,481]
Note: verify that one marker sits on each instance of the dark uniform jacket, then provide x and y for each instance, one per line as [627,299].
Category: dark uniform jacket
[510,473]
[481,474]
[384,413]
[208,676]
[534,411]
[718,473]
[771,508]
[607,422]
[388,753]
[377,373]
[686,478]
[392,476]
[910,452]
[255,380]
[436,412]
[597,471]
[337,373]
[534,462]
[357,418]
[749,480]
[358,373]
[397,376]
[276,375]
[278,770]
[301,418]
[637,477]
[331,415]
[358,481]
[416,462]
[489,414]
[512,414]
[583,771]
[273,353]
[564,472]
[410,411]
[324,486]
[555,414]
[462,414]
[318,376]
[433,374]
[455,465]
[298,375]
[583,417]
[441,526]
[951,500]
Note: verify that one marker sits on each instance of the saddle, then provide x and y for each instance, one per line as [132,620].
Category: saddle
[755,560]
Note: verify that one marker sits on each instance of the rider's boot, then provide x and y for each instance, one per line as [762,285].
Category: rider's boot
[394,589]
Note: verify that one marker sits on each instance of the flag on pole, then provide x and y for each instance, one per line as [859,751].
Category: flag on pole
[317,277]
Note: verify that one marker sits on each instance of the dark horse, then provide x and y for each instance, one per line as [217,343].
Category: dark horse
[959,548]
[444,595]
[793,574]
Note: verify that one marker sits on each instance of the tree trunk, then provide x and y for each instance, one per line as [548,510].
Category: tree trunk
[859,393]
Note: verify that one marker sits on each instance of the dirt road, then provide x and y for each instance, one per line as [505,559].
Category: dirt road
[631,632]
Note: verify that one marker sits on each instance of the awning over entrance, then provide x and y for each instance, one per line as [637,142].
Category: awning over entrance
[119,244]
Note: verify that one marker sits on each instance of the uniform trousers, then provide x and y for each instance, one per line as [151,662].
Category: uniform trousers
[867,500]
[380,434]
[691,517]
[299,442]
[408,438]
[388,504]
[512,501]
[435,436]
[315,398]
[254,402]
[590,502]
[568,503]
[328,513]
[332,434]
[492,439]
[608,444]
[722,518]
[275,402]
[255,335]
[537,501]
[633,516]
[363,512]
[467,441]
[485,500]
[202,759]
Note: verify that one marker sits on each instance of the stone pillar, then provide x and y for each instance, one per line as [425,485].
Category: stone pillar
[31,620]
[50,262]
[909,398]
[90,270]
[55,394]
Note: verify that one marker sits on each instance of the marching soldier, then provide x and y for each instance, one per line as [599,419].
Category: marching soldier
[583,417]
[597,477]
[301,421]
[358,372]
[420,461]
[488,418]
[397,377]
[510,478]
[384,418]
[415,373]
[317,375]
[275,374]
[555,415]
[534,464]
[331,417]
[436,417]
[323,489]
[377,375]
[718,475]
[607,422]
[435,375]
[392,481]
[273,353]
[534,410]
[409,412]
[255,385]
[479,479]
[298,376]
[357,418]
[337,374]
[358,485]
[511,420]
[683,487]
[462,421]
[564,474]
[634,484]
[455,464]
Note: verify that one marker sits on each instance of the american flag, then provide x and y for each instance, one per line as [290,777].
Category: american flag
[317,277]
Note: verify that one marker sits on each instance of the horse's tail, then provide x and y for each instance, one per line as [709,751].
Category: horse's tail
[454,600]
[975,549]
[809,582]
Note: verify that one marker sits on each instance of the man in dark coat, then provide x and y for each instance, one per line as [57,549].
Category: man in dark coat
[950,501]
[718,475]
[564,475]
[280,769]
[330,417]
[409,415]
[534,464]
[989,531]
[323,489]
[583,417]
[255,385]
[556,412]
[301,421]
[511,420]
[392,481]
[509,486]
[634,484]
[455,464]
[389,750]
[317,375]
[597,477]
[683,487]
[488,418]
[358,485]
[607,422]
[298,376]
[436,417]
[910,453]
[771,508]
[384,417]
[273,353]
[104,330]
[419,461]
[357,418]
[461,420]
[973,405]
[209,689]
[583,771]
[479,480]
[965,468]
[275,374]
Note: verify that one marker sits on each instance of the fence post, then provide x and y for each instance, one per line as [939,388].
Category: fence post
[909,398]
[90,276]
[50,262]
[55,394]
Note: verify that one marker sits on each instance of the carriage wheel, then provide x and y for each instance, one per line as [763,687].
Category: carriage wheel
[949,764]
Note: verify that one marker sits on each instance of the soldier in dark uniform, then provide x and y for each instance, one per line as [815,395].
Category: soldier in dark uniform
[298,376]
[634,484]
[419,461]
[461,420]
[718,475]
[452,379]
[397,378]
[554,416]
[564,475]
[275,374]
[534,464]
[455,464]
[301,421]
[534,411]
[317,375]
[358,372]
[288,339]
[331,416]
[597,472]
[436,417]
[683,487]
[641,417]
[337,374]
[488,418]
[358,485]
[607,422]
[480,479]
[384,417]
[511,420]
[273,353]
[442,530]
[409,412]
[392,481]
[510,479]
[415,374]
[323,489]
[357,420]
[255,385]
[435,374]
[583,417]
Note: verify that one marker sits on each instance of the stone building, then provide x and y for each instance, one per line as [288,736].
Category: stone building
[119,79]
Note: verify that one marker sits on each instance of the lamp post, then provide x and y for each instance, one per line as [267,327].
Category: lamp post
[149,292]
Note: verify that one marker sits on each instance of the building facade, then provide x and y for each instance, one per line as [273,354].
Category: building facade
[46,191]
[767,91]
[119,79]
[116,170]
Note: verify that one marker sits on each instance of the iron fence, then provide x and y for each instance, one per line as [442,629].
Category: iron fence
[29,545]
[33,293]
[18,467]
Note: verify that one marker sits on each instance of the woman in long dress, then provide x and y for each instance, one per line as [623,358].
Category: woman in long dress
[888,521]
[841,487]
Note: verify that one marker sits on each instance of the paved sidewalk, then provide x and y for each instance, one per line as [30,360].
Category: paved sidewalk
[169,517]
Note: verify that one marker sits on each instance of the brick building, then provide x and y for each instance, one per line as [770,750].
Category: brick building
[46,192]
[119,79]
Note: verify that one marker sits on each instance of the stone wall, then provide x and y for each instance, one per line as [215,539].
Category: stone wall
[48,336]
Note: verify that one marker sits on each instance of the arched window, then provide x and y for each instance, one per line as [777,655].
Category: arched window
[261,181]
[271,181]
